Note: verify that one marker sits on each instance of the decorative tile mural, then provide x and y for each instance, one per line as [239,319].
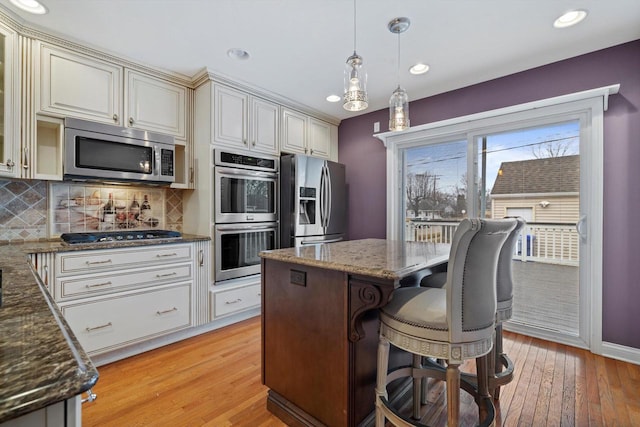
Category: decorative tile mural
[34,210]
[80,208]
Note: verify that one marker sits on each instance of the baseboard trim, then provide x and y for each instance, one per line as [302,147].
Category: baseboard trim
[621,352]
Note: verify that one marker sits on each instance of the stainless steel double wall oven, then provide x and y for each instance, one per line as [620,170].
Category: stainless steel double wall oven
[246,212]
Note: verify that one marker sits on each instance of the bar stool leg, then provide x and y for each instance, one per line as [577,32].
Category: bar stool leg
[453,394]
[381,379]
[417,387]
[497,359]
[483,387]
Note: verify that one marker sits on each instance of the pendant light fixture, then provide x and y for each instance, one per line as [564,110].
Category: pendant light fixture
[399,101]
[355,77]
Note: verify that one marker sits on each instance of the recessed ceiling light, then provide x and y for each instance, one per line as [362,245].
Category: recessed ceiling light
[31,6]
[419,68]
[237,53]
[570,18]
[333,98]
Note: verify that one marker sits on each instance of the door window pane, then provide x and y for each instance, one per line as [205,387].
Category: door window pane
[435,190]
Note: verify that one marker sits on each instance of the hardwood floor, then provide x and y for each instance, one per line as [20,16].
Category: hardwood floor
[214,380]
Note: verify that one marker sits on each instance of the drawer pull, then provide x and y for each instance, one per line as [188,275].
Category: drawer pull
[166,275]
[160,313]
[95,285]
[99,262]
[235,301]
[201,258]
[106,325]
[166,255]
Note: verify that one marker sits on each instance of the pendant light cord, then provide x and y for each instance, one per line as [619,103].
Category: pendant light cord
[354,26]
[398,70]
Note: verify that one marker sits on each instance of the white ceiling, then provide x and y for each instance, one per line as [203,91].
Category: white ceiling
[298,47]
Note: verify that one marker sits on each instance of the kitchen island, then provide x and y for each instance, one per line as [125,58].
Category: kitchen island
[320,325]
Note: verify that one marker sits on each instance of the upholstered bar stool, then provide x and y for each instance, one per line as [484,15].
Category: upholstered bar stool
[454,323]
[500,369]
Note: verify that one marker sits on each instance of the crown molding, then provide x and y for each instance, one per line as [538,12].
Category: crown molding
[31,31]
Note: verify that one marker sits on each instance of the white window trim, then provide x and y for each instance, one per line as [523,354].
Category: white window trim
[592,102]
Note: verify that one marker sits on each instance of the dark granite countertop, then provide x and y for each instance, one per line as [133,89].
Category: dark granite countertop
[41,361]
[386,259]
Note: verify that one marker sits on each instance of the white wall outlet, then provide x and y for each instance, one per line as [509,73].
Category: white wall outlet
[376,127]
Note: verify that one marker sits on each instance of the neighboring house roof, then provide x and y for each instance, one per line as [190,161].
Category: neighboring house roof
[548,175]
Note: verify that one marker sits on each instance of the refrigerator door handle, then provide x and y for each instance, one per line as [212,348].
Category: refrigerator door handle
[323,197]
[329,196]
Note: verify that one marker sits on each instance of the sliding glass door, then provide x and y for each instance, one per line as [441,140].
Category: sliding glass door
[529,169]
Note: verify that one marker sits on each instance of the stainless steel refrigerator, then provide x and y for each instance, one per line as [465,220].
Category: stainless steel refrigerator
[312,201]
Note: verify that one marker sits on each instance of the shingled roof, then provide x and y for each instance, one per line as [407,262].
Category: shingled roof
[548,175]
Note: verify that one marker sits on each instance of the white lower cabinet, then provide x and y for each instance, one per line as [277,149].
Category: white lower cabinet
[233,300]
[113,298]
[62,414]
[110,322]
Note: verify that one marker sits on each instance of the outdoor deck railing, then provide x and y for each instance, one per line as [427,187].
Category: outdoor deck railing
[541,242]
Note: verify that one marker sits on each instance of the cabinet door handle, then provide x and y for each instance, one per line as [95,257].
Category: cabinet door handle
[160,313]
[98,262]
[115,117]
[95,285]
[25,162]
[91,396]
[191,174]
[131,120]
[46,275]
[95,328]
[235,301]
[253,143]
[166,255]
[311,151]
[9,163]
[201,258]
[166,275]
[244,141]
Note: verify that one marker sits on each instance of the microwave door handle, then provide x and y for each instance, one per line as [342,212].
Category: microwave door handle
[156,159]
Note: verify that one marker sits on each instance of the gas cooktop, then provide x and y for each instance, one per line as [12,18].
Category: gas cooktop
[118,236]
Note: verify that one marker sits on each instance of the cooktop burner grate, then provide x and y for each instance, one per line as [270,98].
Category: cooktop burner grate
[118,236]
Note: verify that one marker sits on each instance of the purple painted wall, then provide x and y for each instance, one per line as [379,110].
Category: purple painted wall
[365,160]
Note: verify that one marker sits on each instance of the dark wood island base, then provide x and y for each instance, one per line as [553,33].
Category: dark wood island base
[320,326]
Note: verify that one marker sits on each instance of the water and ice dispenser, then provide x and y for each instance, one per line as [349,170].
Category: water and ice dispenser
[307,210]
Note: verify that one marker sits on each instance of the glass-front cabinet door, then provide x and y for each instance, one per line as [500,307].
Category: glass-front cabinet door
[9,104]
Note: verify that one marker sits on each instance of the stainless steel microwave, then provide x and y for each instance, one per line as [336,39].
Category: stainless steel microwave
[97,151]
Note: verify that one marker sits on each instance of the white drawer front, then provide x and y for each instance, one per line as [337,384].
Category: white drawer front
[113,322]
[82,286]
[235,300]
[99,260]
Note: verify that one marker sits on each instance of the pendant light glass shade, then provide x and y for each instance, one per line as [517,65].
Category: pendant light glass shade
[399,101]
[355,78]
[355,84]
[399,110]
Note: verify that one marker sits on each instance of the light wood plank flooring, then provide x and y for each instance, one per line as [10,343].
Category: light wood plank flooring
[214,380]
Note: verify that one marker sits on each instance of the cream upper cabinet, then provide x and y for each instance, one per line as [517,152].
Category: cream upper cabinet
[264,126]
[9,104]
[70,84]
[243,121]
[294,132]
[319,141]
[302,134]
[155,105]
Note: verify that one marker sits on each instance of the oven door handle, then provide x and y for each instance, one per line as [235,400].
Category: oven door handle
[244,227]
[245,172]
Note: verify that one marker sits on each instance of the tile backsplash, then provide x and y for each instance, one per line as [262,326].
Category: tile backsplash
[32,210]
